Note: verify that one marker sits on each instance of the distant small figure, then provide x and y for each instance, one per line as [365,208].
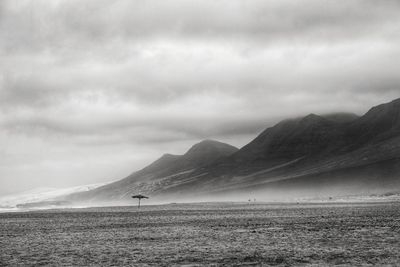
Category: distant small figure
[139,197]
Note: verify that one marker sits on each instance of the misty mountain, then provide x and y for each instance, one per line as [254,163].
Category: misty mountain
[334,154]
[342,117]
[163,172]
[198,155]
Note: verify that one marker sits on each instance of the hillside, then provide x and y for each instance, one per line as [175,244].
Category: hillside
[162,173]
[337,154]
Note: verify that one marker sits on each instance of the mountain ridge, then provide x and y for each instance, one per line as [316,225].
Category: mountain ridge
[289,152]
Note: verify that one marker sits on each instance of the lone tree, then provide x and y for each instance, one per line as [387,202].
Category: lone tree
[139,197]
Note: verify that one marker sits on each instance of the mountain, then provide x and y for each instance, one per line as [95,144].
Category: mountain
[162,173]
[379,123]
[312,156]
[198,155]
[341,117]
[292,139]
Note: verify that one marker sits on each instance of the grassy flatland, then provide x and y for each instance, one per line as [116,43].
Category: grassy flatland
[205,234]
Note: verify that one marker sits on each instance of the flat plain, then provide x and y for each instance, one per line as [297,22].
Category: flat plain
[211,234]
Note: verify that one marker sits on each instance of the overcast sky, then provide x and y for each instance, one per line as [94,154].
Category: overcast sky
[91,91]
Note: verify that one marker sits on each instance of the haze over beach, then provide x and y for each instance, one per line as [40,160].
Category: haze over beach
[92,91]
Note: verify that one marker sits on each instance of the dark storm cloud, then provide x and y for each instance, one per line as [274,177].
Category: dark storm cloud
[107,80]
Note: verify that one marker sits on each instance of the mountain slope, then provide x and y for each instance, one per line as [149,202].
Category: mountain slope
[344,153]
[313,145]
[160,173]
[341,117]
[292,139]
[379,123]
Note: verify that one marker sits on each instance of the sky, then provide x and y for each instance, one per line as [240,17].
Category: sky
[93,90]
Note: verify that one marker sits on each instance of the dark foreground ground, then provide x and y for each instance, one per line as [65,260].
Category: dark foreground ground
[206,234]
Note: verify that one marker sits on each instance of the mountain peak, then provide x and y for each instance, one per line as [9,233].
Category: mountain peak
[312,116]
[208,142]
[207,147]
[312,119]
[162,162]
[167,156]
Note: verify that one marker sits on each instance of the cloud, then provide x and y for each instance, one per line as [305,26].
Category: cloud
[106,78]
[74,23]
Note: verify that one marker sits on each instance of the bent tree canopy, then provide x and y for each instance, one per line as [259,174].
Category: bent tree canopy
[139,197]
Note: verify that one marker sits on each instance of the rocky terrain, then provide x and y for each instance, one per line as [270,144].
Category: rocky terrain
[213,234]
